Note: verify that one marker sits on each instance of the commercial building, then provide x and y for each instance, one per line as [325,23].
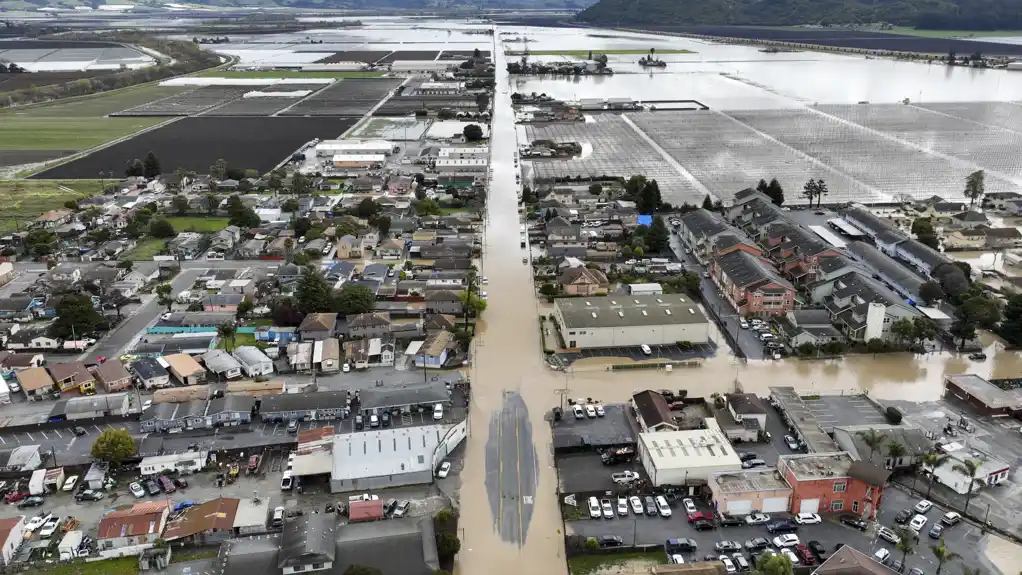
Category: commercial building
[12,535]
[334,148]
[833,482]
[391,457]
[219,519]
[991,470]
[989,398]
[363,161]
[464,153]
[850,438]
[453,166]
[744,491]
[686,457]
[186,461]
[91,407]
[620,320]
[141,523]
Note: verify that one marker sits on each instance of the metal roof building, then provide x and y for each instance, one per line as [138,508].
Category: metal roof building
[631,320]
[385,458]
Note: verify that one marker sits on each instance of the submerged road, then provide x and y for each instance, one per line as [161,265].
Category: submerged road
[511,469]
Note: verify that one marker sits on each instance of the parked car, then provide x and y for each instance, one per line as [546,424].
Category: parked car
[757,544]
[729,546]
[888,535]
[746,456]
[853,521]
[622,506]
[70,484]
[782,526]
[725,520]
[136,490]
[89,495]
[34,523]
[608,509]
[49,528]
[445,468]
[804,554]
[818,549]
[698,516]
[786,540]
[808,519]
[790,555]
[757,518]
[703,525]
[936,530]
[650,506]
[950,518]
[594,508]
[753,463]
[729,565]
[923,506]
[740,561]
[636,504]
[690,506]
[151,487]
[30,502]
[917,523]
[680,546]
[610,541]
[791,442]
[882,555]
[903,516]
[662,507]
[600,411]
[401,509]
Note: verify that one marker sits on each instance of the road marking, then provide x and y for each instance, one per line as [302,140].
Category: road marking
[518,456]
[30,438]
[98,430]
[73,440]
[44,434]
[57,431]
[2,440]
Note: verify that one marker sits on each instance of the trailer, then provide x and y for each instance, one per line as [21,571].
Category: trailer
[37,484]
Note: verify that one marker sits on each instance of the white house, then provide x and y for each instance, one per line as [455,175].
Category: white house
[992,471]
[253,361]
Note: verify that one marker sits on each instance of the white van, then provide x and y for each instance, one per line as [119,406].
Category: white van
[438,412]
[286,481]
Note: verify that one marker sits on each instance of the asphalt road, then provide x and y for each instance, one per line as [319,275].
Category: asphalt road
[511,474]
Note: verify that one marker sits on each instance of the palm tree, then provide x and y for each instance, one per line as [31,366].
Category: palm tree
[907,543]
[873,438]
[895,451]
[971,469]
[933,461]
[943,555]
[227,331]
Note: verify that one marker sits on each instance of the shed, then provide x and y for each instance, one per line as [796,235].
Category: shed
[96,475]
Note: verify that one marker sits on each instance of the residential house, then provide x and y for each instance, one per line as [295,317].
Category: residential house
[225,239]
[443,301]
[697,230]
[253,361]
[369,352]
[204,523]
[808,326]
[299,356]
[28,339]
[893,274]
[833,483]
[113,375]
[185,368]
[919,255]
[583,281]
[18,361]
[221,364]
[870,224]
[278,247]
[452,264]
[244,287]
[433,352]
[318,406]
[17,308]
[141,523]
[368,325]
[861,307]
[288,274]
[559,229]
[1000,200]
[231,410]
[223,302]
[1002,238]
[66,273]
[173,417]
[348,247]
[438,321]
[852,438]
[36,383]
[326,355]
[252,249]
[390,249]
[151,373]
[187,245]
[751,285]
[318,326]
[54,218]
[969,219]
[964,239]
[653,412]
[6,272]
[73,375]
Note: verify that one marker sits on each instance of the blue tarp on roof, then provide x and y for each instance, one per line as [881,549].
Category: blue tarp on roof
[645,221]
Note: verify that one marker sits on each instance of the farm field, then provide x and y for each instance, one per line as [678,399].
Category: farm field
[11,82]
[25,200]
[585,53]
[411,55]
[198,224]
[351,97]
[271,74]
[145,250]
[367,56]
[66,133]
[195,143]
[94,106]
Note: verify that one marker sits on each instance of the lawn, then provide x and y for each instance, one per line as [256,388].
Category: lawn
[585,53]
[25,200]
[590,564]
[95,105]
[39,133]
[284,74]
[145,250]
[119,566]
[240,339]
[198,224]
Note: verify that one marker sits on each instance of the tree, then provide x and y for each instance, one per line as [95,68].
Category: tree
[302,226]
[930,292]
[367,208]
[356,569]
[75,315]
[354,299]
[383,225]
[447,545]
[548,289]
[164,294]
[1011,325]
[114,445]
[290,205]
[775,192]
[873,439]
[708,204]
[245,307]
[925,329]
[942,554]
[975,186]
[932,461]
[472,303]
[226,331]
[906,544]
[659,238]
[427,207]
[134,169]
[300,184]
[472,133]
[649,199]
[313,293]
[963,330]
[151,166]
[970,468]
[161,228]
[284,313]
[482,101]
[981,310]
[770,564]
[810,190]
[895,450]
[218,170]
[180,205]
[212,203]
[903,330]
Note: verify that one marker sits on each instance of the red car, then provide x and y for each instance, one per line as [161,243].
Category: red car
[698,516]
[101,359]
[15,496]
[804,554]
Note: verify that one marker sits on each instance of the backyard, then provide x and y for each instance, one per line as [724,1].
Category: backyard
[198,224]
[25,200]
[145,250]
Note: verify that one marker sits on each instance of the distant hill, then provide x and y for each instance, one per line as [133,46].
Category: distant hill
[928,14]
[314,4]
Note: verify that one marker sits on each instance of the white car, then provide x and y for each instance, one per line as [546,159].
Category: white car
[888,536]
[882,555]
[49,528]
[445,468]
[13,386]
[808,519]
[147,404]
[786,540]
[578,411]
[743,324]
[677,559]
[608,509]
[590,410]
[345,368]
[757,519]
[137,490]
[923,506]
[483,295]
[690,506]
[594,508]
[622,506]
[486,280]
[790,555]
[636,505]
[34,523]
[917,523]
[729,565]
[645,349]
[70,484]
[599,411]
[662,507]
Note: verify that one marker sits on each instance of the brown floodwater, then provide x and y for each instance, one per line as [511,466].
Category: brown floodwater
[499,534]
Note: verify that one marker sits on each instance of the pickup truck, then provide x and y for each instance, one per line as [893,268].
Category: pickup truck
[624,477]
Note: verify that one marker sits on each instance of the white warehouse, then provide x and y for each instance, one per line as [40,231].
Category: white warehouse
[686,457]
[461,166]
[331,148]
[630,320]
[464,153]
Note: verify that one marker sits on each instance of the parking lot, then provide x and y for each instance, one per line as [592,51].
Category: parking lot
[837,410]
[963,539]
[670,352]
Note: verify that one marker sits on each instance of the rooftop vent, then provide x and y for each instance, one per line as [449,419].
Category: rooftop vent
[594,315]
[691,311]
[644,312]
[622,314]
[668,311]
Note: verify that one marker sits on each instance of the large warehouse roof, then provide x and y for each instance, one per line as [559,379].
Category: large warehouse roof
[690,448]
[385,452]
[631,310]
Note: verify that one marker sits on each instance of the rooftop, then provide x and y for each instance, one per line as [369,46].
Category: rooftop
[689,448]
[803,419]
[386,451]
[631,310]
[653,408]
[991,395]
[849,561]
[752,480]
[615,428]
[807,467]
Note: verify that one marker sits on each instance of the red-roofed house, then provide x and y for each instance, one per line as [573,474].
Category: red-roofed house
[12,533]
[143,523]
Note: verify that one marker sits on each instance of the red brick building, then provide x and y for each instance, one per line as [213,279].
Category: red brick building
[833,483]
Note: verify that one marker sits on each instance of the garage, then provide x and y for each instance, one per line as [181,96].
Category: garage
[739,506]
[775,505]
[809,506]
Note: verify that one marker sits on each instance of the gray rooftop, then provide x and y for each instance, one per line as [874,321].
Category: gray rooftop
[802,418]
[387,397]
[887,268]
[747,270]
[307,540]
[219,361]
[631,310]
[383,452]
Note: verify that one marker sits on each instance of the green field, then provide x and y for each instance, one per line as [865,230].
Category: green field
[93,106]
[25,200]
[284,74]
[38,133]
[145,250]
[119,566]
[198,224]
[240,339]
[585,53]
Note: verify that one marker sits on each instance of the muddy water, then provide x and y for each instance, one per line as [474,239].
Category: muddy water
[510,519]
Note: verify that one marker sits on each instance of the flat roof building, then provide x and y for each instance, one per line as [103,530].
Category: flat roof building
[454,166]
[686,457]
[357,160]
[630,320]
[333,148]
[464,153]
[742,492]
[385,457]
[999,399]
